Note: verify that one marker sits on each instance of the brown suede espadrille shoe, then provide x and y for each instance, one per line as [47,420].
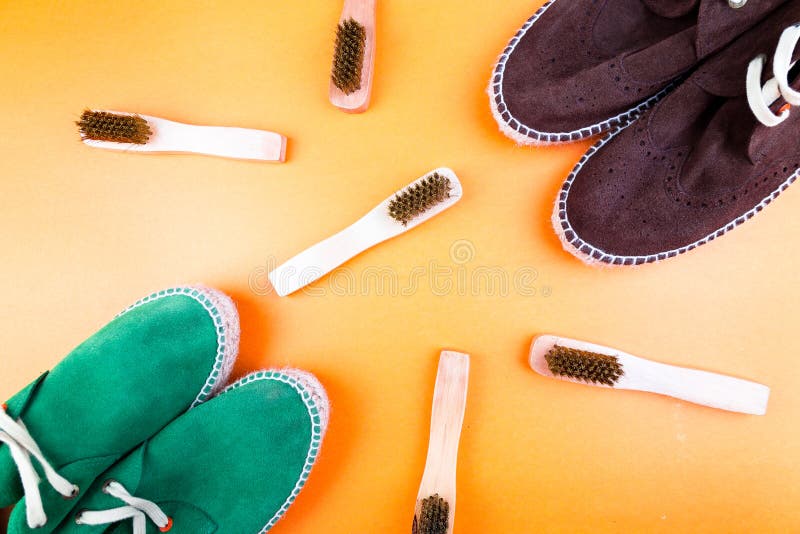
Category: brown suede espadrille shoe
[578,68]
[705,159]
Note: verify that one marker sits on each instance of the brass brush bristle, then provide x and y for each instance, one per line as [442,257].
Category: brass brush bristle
[420,197]
[584,365]
[433,518]
[105,126]
[348,58]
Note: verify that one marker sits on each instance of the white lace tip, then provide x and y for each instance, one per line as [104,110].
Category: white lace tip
[65,488]
[36,519]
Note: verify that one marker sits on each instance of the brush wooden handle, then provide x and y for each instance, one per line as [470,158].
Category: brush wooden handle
[700,387]
[227,142]
[320,259]
[447,418]
[363,12]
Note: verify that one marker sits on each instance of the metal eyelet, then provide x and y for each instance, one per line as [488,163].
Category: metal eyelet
[167,527]
[736,4]
[106,484]
[78,517]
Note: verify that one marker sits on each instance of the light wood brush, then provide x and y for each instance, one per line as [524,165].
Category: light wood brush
[596,365]
[418,202]
[131,132]
[354,57]
[436,502]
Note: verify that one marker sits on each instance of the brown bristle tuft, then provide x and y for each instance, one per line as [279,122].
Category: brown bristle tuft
[105,126]
[584,365]
[419,198]
[433,518]
[348,58]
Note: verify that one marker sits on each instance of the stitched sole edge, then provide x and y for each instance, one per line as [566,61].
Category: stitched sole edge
[316,400]
[223,313]
[525,135]
[594,256]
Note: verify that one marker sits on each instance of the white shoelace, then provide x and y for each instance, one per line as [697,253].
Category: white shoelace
[23,447]
[139,510]
[761,98]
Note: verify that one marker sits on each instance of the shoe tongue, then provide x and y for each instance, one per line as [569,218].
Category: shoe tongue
[671,9]
[724,74]
[718,24]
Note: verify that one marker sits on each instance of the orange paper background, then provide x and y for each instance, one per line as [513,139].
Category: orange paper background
[86,232]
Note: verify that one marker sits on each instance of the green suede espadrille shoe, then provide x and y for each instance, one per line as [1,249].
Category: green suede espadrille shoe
[233,465]
[165,354]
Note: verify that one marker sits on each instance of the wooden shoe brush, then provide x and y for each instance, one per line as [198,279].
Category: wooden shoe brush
[436,502]
[354,57]
[596,365]
[424,198]
[129,132]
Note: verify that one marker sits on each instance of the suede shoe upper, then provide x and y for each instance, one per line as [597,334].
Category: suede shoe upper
[581,67]
[168,352]
[695,166]
[232,465]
